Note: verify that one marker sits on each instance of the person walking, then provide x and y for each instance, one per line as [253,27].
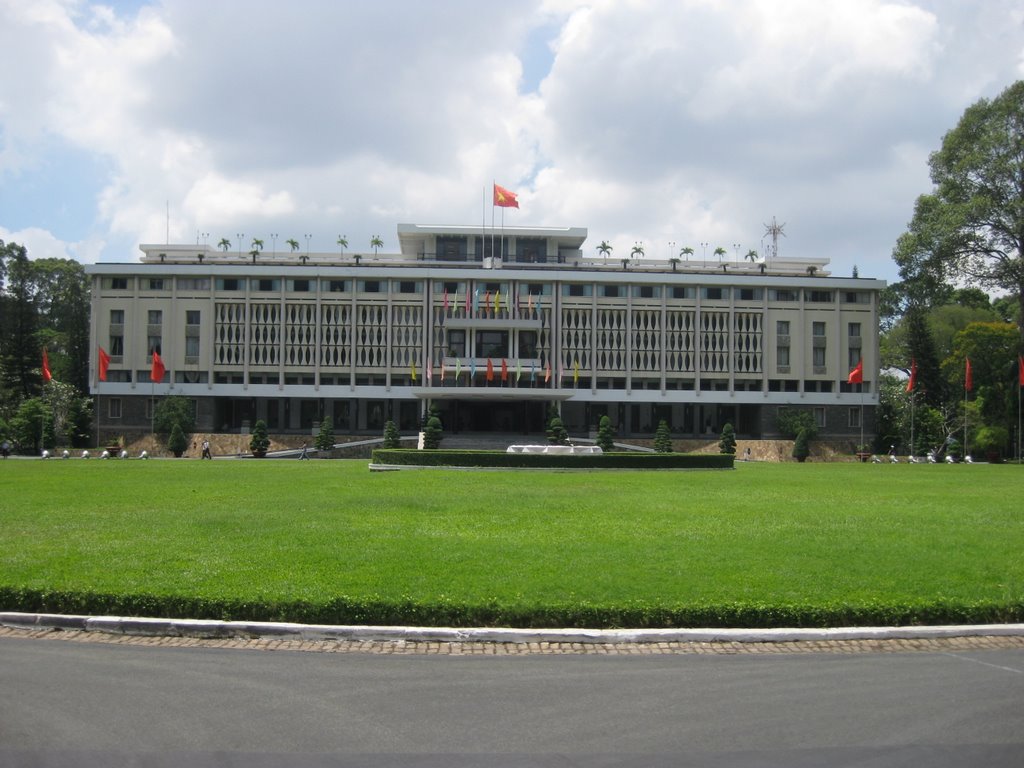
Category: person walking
[206,451]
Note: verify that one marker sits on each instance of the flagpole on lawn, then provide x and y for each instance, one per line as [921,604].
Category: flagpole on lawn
[911,422]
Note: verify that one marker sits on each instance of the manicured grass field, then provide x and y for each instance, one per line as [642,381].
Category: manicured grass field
[765,544]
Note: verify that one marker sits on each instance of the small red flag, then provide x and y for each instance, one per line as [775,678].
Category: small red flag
[857,374]
[1020,369]
[913,375]
[504,369]
[490,370]
[968,375]
[47,376]
[104,364]
[156,373]
[504,199]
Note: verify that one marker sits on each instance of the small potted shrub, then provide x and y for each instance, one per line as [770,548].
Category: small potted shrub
[259,442]
[177,443]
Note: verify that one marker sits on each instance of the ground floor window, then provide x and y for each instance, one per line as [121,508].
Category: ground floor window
[114,408]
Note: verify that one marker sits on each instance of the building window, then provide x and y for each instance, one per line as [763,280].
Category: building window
[647,291]
[155,284]
[265,285]
[819,297]
[782,356]
[749,294]
[408,286]
[228,284]
[191,346]
[577,289]
[853,417]
[819,417]
[611,291]
[370,286]
[712,293]
[116,345]
[114,407]
[155,317]
[683,292]
[336,286]
[192,317]
[299,286]
[527,344]
[116,283]
[782,327]
[193,283]
[456,343]
[492,344]
[783,294]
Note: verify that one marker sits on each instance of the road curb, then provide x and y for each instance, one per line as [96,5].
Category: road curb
[202,628]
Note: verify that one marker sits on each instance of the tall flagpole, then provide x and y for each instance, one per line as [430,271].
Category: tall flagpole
[911,422]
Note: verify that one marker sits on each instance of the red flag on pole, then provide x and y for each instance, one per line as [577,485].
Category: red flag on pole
[968,375]
[1020,370]
[47,376]
[857,374]
[104,364]
[913,375]
[490,370]
[504,199]
[156,373]
[504,369]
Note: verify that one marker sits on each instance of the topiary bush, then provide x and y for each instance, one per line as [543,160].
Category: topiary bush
[663,438]
[259,442]
[727,443]
[432,434]
[325,437]
[557,434]
[605,434]
[802,446]
[177,443]
[391,437]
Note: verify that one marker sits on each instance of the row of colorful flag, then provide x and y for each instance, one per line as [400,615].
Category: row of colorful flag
[492,373]
[472,302]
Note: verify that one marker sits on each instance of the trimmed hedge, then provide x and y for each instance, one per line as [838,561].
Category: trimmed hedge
[443,613]
[499,459]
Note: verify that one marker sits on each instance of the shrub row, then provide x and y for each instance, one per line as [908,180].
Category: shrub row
[445,613]
[487,459]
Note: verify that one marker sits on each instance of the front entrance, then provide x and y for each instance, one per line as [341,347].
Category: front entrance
[506,416]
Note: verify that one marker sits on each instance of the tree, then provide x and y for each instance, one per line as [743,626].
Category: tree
[20,347]
[802,446]
[637,252]
[751,256]
[172,410]
[606,434]
[391,437]
[375,243]
[663,438]
[342,244]
[727,443]
[557,433]
[293,244]
[686,252]
[971,226]
[719,252]
[929,386]
[177,442]
[432,433]
[992,350]
[325,437]
[792,421]
[604,248]
[259,440]
[32,426]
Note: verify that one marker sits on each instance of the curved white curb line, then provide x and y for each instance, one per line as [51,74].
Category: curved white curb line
[261,629]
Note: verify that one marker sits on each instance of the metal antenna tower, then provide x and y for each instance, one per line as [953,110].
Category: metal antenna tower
[775,229]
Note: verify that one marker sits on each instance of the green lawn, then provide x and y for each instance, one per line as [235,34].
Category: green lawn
[330,541]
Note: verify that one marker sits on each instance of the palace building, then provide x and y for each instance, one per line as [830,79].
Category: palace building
[492,328]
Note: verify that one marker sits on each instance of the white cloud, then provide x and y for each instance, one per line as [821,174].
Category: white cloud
[687,121]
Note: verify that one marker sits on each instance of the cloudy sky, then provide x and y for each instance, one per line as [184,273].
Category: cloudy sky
[653,121]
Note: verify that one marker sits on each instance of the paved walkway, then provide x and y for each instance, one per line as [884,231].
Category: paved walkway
[485,642]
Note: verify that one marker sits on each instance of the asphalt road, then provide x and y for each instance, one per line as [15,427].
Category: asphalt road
[92,704]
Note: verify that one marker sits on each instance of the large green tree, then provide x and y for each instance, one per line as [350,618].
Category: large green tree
[971,226]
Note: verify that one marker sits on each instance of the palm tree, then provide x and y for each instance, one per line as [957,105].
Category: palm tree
[751,256]
[604,248]
[254,253]
[637,252]
[293,244]
[342,244]
[686,252]
[719,252]
[257,244]
[375,243]
[224,244]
